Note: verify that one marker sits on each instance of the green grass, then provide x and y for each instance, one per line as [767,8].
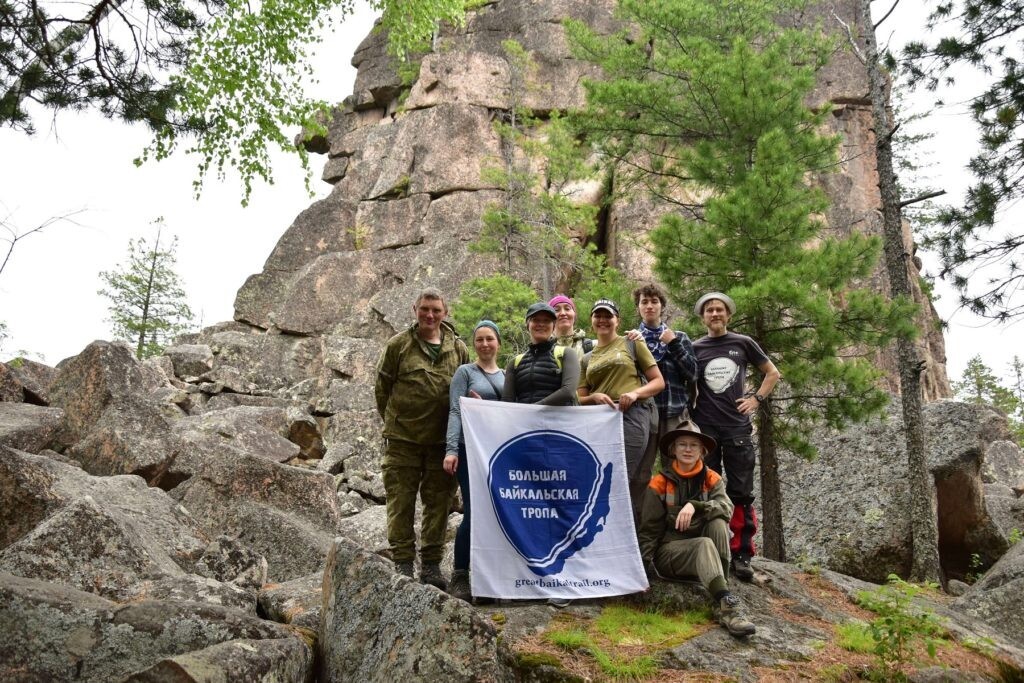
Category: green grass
[834,673]
[629,668]
[533,660]
[622,626]
[568,639]
[855,636]
[627,626]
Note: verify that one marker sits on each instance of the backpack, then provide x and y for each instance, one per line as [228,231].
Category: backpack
[559,355]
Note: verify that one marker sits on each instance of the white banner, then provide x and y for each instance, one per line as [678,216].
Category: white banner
[550,502]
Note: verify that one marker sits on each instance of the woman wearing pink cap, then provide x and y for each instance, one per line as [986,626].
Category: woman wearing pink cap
[566,333]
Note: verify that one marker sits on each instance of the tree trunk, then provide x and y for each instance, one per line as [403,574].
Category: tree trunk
[923,526]
[147,299]
[772,534]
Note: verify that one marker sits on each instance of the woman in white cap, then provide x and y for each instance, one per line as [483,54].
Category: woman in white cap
[623,375]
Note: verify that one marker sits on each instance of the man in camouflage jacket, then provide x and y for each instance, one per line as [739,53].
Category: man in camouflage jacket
[413,376]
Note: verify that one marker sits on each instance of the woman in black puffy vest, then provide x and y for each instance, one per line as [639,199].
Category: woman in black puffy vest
[545,374]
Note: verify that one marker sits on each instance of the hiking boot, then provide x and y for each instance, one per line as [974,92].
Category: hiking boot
[404,568]
[730,615]
[430,574]
[741,568]
[459,586]
[559,602]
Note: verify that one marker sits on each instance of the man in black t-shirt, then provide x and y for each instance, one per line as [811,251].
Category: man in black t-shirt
[723,409]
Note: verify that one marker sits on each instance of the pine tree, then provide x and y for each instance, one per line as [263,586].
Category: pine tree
[978,244]
[1017,373]
[147,299]
[501,300]
[979,385]
[1017,389]
[704,108]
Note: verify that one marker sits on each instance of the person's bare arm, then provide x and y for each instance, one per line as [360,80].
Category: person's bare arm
[655,383]
[750,404]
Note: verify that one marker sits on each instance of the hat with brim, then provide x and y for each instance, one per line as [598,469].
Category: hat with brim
[605,305]
[540,307]
[685,429]
[698,308]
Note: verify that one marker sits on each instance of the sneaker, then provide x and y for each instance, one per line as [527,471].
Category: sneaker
[459,586]
[741,568]
[404,568]
[730,615]
[430,574]
[559,602]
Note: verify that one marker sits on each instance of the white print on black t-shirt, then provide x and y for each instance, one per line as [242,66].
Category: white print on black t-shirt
[720,373]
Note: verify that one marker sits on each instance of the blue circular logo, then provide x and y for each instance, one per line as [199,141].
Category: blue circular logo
[550,496]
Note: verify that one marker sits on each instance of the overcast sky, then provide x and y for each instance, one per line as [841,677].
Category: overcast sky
[83,162]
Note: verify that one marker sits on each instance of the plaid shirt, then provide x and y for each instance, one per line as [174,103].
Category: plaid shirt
[678,366]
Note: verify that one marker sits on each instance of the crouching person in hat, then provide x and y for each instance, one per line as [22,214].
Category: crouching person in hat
[684,523]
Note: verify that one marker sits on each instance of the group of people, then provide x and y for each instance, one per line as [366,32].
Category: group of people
[686,400]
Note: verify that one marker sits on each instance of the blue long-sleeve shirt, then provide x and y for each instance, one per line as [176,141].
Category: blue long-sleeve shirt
[467,377]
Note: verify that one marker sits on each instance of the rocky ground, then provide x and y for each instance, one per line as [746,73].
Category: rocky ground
[159,525]
[216,513]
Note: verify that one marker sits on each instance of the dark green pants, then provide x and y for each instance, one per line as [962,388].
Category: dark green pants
[704,555]
[409,470]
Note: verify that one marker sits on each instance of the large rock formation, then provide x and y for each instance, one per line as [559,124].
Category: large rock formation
[405,162]
[847,510]
[159,497]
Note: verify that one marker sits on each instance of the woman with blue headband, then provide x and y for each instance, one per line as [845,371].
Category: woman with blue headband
[482,379]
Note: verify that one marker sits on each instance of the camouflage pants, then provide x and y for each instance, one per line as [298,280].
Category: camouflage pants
[409,470]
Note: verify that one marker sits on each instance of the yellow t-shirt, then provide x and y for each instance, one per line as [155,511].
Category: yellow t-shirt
[611,370]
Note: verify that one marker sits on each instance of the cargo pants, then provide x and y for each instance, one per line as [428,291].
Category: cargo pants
[409,470]
[705,556]
[736,456]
